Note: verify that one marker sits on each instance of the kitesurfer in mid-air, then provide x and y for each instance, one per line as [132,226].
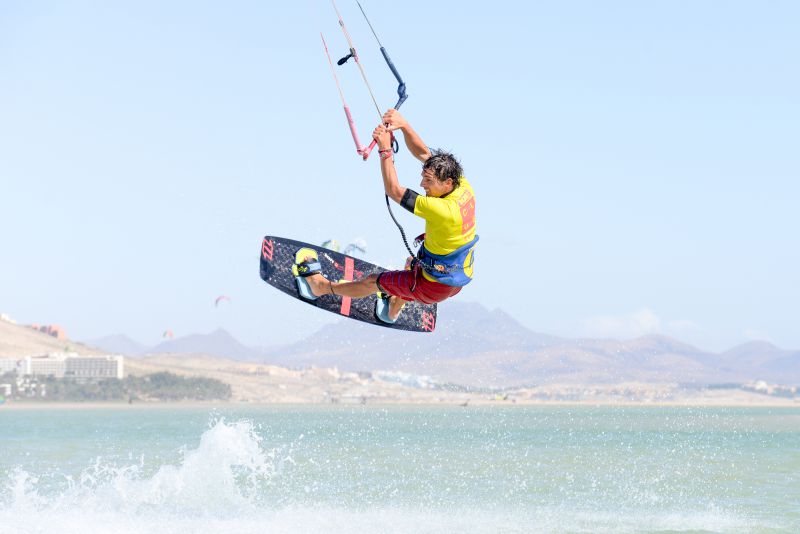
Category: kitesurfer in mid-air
[444,262]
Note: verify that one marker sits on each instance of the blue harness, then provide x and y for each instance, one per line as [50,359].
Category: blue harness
[448,269]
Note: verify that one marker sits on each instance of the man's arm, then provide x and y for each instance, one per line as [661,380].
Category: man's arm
[414,142]
[390,183]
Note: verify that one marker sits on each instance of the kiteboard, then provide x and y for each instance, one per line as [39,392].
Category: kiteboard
[278,256]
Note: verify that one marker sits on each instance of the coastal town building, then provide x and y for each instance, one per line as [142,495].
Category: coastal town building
[10,365]
[95,367]
[72,365]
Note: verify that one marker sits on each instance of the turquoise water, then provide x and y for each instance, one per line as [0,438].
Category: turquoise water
[399,470]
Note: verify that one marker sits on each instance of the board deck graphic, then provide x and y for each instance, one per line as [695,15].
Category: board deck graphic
[278,256]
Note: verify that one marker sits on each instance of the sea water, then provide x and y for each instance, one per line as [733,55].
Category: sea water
[399,469]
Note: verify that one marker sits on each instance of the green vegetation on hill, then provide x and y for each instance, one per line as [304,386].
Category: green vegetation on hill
[168,386]
[162,386]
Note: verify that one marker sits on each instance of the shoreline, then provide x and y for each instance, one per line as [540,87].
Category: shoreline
[160,405]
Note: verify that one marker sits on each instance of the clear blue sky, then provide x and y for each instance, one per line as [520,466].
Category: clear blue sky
[636,164]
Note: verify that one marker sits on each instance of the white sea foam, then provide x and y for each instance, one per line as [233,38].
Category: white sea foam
[221,476]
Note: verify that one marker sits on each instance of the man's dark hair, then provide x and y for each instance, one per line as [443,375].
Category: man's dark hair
[444,165]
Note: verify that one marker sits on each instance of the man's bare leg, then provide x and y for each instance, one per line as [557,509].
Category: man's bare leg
[320,285]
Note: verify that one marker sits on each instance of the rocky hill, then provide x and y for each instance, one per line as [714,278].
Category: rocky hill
[19,341]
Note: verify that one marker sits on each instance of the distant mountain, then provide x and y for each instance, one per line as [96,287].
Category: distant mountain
[787,367]
[475,346]
[762,360]
[118,344]
[217,343]
[464,329]
[753,353]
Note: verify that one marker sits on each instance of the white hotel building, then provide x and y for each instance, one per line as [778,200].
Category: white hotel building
[71,365]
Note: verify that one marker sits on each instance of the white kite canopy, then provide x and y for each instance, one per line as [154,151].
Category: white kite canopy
[358,245]
[331,244]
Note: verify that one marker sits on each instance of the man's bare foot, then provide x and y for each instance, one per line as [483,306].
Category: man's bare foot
[319,285]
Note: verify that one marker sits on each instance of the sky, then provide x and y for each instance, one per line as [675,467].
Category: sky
[636,164]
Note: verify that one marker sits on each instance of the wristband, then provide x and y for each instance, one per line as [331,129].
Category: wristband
[385,154]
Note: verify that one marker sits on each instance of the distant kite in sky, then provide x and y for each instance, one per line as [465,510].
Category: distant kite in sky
[167,334]
[220,299]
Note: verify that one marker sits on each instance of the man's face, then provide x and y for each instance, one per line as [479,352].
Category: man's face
[432,186]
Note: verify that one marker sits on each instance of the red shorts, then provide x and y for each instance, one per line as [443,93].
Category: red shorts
[411,285]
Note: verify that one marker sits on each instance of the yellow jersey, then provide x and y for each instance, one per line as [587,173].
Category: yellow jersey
[449,222]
